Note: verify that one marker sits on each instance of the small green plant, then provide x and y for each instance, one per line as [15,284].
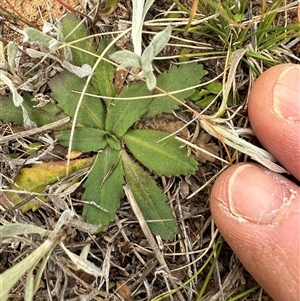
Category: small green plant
[130,59]
[102,124]
[208,94]
[235,27]
[136,59]
[103,121]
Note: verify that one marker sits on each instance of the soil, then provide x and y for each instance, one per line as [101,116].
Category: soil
[33,13]
[37,12]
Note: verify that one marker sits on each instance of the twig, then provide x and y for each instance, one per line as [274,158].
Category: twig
[34,131]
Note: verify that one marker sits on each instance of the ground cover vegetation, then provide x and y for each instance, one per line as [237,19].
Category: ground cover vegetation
[116,117]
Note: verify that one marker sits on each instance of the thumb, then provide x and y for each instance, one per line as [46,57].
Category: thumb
[257,212]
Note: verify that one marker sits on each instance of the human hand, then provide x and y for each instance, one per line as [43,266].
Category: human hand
[256,210]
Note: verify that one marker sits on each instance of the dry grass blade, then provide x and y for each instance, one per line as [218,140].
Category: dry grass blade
[149,236]
[35,130]
[234,61]
[9,230]
[83,264]
[11,276]
[232,139]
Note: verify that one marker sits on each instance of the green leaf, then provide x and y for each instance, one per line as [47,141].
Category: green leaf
[177,78]
[85,139]
[238,17]
[113,142]
[204,102]
[166,157]
[72,30]
[214,87]
[104,187]
[183,55]
[66,88]
[150,199]
[40,115]
[105,73]
[9,112]
[198,94]
[110,7]
[123,113]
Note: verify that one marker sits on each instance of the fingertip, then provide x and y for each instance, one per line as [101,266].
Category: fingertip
[274,112]
[256,210]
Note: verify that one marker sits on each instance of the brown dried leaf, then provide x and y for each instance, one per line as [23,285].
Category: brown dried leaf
[124,291]
[203,142]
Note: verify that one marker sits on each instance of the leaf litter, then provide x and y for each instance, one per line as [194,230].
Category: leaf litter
[151,267]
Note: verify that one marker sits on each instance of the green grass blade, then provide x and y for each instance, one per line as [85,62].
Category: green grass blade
[11,276]
[210,272]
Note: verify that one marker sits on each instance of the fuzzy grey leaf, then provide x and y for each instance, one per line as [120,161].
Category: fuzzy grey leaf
[147,58]
[160,40]
[84,71]
[126,58]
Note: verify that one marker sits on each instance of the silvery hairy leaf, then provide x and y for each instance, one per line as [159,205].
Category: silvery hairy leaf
[139,12]
[160,40]
[150,80]
[34,35]
[17,98]
[12,51]
[147,58]
[84,71]
[146,7]
[137,25]
[126,58]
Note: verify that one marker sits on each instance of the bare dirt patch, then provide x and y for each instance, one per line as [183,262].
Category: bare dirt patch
[34,12]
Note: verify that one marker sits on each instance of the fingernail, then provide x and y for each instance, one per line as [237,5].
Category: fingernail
[268,196]
[286,94]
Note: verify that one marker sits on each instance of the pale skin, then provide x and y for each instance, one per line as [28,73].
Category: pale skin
[256,210]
